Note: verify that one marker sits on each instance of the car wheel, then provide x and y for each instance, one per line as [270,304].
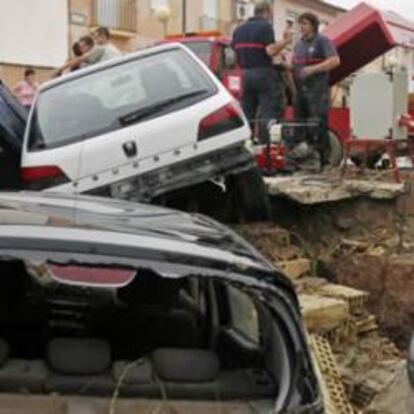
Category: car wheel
[336,150]
[248,196]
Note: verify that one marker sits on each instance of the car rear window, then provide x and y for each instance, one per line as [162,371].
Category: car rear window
[104,100]
[201,49]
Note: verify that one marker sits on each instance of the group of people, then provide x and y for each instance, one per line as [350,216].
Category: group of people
[88,50]
[314,56]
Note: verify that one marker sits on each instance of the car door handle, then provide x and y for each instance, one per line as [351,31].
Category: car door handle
[130,149]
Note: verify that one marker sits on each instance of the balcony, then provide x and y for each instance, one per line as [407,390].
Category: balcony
[118,15]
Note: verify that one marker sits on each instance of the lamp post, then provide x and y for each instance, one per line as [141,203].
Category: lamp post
[184,17]
[163,14]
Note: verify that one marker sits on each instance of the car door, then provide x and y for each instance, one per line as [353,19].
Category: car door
[230,73]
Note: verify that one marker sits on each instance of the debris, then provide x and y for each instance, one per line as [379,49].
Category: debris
[315,189]
[356,299]
[323,313]
[333,390]
[367,324]
[343,335]
[355,244]
[294,269]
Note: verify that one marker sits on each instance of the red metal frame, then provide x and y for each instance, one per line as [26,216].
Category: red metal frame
[390,146]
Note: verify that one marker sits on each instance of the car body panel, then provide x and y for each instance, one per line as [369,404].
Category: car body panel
[142,232]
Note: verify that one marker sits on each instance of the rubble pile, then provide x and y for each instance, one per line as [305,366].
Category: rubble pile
[338,318]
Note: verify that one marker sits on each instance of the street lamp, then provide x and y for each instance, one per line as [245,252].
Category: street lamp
[163,14]
[184,17]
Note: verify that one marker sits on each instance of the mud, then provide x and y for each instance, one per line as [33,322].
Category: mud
[390,281]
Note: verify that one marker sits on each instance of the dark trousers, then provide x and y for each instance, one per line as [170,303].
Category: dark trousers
[262,99]
[312,102]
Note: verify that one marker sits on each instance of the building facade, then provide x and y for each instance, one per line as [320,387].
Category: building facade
[136,24]
[32,36]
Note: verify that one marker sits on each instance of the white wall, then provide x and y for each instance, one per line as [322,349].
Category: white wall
[210,8]
[34,32]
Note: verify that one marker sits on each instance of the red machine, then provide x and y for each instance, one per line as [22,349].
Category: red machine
[360,35]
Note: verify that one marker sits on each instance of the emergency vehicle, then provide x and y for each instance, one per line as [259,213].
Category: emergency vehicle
[363,25]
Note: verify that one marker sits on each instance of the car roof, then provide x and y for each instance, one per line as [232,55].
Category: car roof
[119,228]
[110,63]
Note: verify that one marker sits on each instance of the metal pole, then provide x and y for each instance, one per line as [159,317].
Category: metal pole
[184,17]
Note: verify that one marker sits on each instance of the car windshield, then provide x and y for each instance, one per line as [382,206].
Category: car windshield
[202,50]
[98,102]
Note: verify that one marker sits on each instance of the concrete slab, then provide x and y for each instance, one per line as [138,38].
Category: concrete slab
[324,188]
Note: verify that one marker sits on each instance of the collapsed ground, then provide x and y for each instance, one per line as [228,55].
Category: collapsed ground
[367,245]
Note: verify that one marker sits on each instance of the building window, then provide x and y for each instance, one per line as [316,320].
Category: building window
[155,4]
[116,14]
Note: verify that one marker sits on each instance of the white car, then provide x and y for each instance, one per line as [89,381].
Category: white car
[141,127]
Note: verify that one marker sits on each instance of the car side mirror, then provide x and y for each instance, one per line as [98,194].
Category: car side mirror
[410,363]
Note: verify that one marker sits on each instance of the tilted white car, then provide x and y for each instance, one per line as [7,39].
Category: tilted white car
[141,128]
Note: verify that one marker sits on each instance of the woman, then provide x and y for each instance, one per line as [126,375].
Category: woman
[26,89]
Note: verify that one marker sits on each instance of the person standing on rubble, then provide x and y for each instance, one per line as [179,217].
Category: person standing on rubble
[314,57]
[255,46]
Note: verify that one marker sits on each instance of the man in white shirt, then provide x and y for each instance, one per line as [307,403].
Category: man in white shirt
[93,51]
[103,40]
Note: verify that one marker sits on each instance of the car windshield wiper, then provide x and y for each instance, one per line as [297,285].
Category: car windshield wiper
[146,112]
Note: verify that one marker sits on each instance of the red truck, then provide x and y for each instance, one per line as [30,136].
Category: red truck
[360,35]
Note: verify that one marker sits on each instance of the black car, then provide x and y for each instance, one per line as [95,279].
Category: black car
[410,363]
[13,118]
[145,306]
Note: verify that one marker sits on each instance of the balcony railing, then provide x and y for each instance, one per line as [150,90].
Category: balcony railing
[115,14]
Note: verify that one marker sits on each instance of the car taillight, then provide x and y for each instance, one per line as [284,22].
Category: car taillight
[38,178]
[223,120]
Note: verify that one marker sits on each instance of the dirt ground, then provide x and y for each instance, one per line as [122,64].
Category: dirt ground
[368,245]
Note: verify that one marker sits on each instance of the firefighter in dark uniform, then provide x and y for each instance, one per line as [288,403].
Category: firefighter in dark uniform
[313,58]
[255,46]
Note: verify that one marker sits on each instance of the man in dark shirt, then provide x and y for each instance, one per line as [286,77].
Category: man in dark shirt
[255,46]
[314,57]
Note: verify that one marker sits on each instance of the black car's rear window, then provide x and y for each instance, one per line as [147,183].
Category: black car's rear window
[103,101]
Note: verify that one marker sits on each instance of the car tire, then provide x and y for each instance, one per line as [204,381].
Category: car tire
[248,198]
[336,150]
